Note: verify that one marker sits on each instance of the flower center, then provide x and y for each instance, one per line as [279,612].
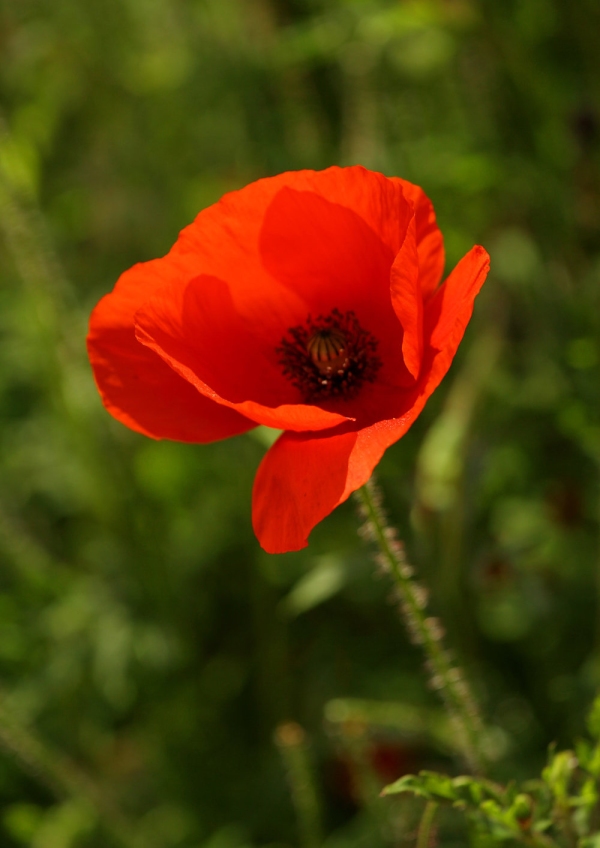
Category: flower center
[329,357]
[327,349]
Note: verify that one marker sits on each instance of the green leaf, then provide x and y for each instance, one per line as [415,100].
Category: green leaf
[558,773]
[324,581]
[522,807]
[427,784]
[475,790]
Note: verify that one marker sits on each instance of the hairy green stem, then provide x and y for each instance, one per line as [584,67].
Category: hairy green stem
[424,630]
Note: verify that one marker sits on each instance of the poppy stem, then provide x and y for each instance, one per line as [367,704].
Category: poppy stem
[423,630]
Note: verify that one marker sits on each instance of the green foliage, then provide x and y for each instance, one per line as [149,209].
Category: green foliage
[560,809]
[148,648]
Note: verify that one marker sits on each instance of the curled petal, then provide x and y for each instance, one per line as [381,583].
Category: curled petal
[430,242]
[448,312]
[407,300]
[136,386]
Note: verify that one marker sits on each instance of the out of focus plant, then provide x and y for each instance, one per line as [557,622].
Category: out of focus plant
[559,809]
[143,644]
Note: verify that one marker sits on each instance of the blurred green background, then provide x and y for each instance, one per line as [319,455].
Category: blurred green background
[148,647]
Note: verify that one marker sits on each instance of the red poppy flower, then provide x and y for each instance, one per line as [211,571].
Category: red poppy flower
[308,302]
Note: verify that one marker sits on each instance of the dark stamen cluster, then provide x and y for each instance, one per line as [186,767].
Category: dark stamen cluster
[329,357]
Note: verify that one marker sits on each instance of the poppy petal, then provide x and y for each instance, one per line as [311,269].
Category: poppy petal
[212,314]
[377,199]
[136,386]
[333,259]
[229,240]
[430,242]
[407,300]
[449,311]
[300,480]
[198,333]
[306,242]
[304,476]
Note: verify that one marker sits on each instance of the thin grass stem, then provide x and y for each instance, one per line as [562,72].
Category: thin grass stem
[424,834]
[290,738]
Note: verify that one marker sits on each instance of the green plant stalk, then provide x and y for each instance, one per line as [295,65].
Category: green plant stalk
[354,740]
[424,630]
[290,738]
[424,834]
